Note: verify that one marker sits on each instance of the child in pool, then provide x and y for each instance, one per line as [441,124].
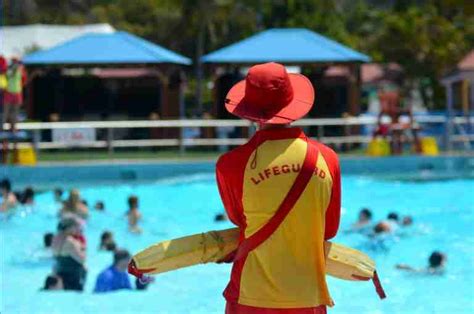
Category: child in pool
[133,215]
[107,242]
[9,200]
[436,265]
[363,223]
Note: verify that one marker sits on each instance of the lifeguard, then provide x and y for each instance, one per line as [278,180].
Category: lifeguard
[282,190]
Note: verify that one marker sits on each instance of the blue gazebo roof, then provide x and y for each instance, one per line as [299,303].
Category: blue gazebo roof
[114,48]
[285,45]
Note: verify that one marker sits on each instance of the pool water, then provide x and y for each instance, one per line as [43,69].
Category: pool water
[443,213]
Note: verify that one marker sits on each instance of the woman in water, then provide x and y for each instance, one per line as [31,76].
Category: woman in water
[74,207]
[70,254]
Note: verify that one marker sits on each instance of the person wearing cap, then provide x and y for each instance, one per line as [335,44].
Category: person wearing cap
[286,272]
[115,277]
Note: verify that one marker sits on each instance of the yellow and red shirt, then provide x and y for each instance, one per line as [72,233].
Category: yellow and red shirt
[287,271]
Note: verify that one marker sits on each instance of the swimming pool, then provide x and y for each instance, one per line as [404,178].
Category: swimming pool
[443,214]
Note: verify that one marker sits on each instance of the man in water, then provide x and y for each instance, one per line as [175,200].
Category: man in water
[286,273]
[115,277]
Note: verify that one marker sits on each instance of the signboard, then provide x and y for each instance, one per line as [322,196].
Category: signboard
[74,137]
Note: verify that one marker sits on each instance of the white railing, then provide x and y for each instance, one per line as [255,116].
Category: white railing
[348,125]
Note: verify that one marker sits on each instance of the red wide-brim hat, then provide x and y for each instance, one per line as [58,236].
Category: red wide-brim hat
[271,95]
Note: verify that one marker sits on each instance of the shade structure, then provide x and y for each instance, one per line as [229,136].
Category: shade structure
[115,48]
[285,45]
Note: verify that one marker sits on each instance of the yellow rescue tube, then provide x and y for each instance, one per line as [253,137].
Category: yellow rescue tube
[341,262]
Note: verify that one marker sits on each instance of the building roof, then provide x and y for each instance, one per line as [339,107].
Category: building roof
[464,70]
[285,45]
[16,41]
[467,63]
[99,49]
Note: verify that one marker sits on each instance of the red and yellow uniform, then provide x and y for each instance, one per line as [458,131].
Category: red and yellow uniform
[285,274]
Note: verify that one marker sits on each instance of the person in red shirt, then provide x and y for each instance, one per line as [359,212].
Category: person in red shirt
[286,272]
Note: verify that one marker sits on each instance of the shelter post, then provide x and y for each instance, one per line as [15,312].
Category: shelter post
[354,89]
[449,116]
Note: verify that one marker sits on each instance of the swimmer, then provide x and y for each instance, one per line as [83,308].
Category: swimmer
[363,222]
[393,218]
[133,215]
[407,221]
[74,207]
[382,227]
[99,206]
[107,242]
[115,277]
[220,217]
[436,265]
[9,200]
[386,226]
[53,282]
[27,198]
[58,195]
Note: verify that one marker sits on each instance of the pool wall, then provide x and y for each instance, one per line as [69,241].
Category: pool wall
[49,175]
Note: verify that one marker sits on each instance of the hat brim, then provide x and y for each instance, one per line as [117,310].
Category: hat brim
[303,99]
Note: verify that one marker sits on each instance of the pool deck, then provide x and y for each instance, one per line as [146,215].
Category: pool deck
[52,174]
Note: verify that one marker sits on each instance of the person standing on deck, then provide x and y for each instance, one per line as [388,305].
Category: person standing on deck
[285,272]
[13,100]
[3,81]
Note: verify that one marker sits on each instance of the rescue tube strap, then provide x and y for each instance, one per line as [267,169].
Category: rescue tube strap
[378,286]
[302,180]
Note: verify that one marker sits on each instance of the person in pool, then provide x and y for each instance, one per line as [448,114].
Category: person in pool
[407,221]
[288,185]
[74,206]
[70,254]
[133,215]
[436,265]
[99,206]
[107,242]
[28,196]
[58,195]
[363,222]
[115,277]
[9,199]
[393,218]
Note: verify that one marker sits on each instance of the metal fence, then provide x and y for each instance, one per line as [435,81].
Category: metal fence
[456,130]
